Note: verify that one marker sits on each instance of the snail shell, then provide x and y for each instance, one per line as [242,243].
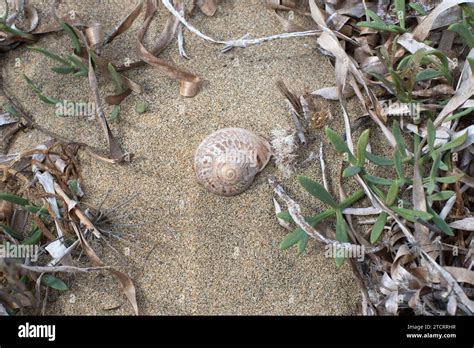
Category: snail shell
[227,161]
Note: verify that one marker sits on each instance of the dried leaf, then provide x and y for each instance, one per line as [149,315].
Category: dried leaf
[422,30]
[124,24]
[189,83]
[115,152]
[125,281]
[466,224]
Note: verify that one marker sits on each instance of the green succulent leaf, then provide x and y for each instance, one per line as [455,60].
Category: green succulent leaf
[119,85]
[431,135]
[114,114]
[78,63]
[63,69]
[141,107]
[378,160]
[398,164]
[378,24]
[449,179]
[34,237]
[341,227]
[350,171]
[428,74]
[378,180]
[454,143]
[378,227]
[36,210]
[399,138]
[53,282]
[361,147]
[339,144]
[39,93]
[302,243]
[417,7]
[400,8]
[410,214]
[441,196]
[392,193]
[291,239]
[442,225]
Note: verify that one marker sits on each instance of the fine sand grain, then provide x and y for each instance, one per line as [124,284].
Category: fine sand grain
[200,254]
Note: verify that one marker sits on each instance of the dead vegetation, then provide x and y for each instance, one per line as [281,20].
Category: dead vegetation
[409,65]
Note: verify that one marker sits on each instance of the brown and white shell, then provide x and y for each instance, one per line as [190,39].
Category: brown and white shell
[227,161]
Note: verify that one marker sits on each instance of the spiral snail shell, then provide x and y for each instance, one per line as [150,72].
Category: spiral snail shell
[227,161]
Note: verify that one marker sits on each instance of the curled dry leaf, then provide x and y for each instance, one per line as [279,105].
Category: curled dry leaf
[124,24]
[208,7]
[422,30]
[94,35]
[287,5]
[189,83]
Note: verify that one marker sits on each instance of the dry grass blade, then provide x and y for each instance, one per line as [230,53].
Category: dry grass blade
[115,152]
[55,26]
[67,269]
[422,31]
[189,83]
[296,109]
[165,38]
[346,70]
[463,93]
[72,206]
[419,203]
[123,25]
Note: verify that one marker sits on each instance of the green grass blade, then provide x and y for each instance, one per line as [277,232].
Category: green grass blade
[11,232]
[72,35]
[119,85]
[13,199]
[49,54]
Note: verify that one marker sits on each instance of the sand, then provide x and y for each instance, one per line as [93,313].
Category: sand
[200,254]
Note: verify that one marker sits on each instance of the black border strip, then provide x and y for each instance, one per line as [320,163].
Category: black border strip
[242,330]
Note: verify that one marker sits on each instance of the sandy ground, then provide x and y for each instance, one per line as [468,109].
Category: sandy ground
[200,254]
